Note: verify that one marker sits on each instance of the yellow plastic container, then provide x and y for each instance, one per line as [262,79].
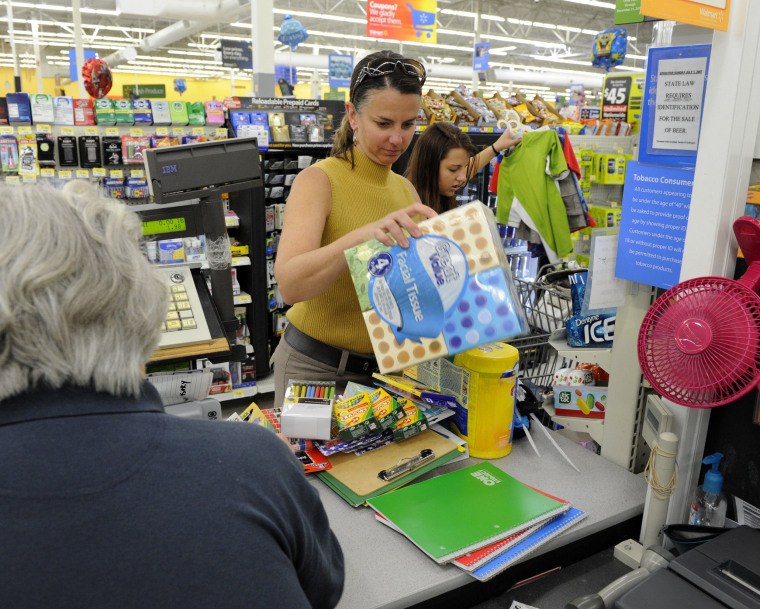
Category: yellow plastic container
[491,399]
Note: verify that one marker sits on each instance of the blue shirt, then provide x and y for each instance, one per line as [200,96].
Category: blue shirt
[110,502]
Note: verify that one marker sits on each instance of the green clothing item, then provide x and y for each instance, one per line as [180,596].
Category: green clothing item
[526,190]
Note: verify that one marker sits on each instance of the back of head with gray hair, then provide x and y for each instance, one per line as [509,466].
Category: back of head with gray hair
[80,304]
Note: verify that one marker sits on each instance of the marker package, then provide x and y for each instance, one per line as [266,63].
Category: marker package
[19,109]
[63,110]
[27,155]
[112,151]
[9,153]
[45,150]
[125,114]
[89,151]
[84,112]
[67,151]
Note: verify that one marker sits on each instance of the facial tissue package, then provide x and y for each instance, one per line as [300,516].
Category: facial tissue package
[449,291]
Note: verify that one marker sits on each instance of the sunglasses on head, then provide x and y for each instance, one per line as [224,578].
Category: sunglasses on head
[383,66]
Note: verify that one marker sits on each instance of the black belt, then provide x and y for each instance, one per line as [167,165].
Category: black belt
[327,354]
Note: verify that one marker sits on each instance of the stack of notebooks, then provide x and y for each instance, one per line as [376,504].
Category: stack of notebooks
[478,518]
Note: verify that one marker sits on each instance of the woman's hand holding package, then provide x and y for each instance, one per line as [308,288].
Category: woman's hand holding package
[390,229]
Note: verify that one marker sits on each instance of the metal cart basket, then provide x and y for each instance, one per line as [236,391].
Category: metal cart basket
[546,306]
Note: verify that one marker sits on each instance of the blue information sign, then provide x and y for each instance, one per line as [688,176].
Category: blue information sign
[481,55]
[73,70]
[340,69]
[673,100]
[656,201]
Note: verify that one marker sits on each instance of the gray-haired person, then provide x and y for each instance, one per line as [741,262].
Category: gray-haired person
[106,500]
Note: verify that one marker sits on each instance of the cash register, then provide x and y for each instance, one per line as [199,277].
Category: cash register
[718,574]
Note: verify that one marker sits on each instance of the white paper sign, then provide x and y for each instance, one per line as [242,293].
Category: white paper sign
[606,290]
[678,109]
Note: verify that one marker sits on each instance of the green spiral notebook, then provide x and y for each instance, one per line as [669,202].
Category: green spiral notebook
[461,511]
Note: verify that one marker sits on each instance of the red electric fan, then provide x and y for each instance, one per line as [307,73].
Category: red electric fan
[699,343]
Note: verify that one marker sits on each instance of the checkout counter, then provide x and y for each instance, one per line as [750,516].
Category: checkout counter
[386,571]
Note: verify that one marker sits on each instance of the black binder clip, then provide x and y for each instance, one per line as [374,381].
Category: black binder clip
[406,465]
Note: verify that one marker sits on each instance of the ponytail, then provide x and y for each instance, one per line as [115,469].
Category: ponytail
[343,142]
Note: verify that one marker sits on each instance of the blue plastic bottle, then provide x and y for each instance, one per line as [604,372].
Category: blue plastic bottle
[708,508]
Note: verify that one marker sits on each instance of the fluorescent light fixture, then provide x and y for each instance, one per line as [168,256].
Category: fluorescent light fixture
[596,3]
[279,11]
[65,9]
[448,11]
[537,43]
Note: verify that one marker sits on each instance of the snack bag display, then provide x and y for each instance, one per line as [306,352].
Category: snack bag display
[449,291]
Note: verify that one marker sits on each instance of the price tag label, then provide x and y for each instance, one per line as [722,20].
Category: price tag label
[25,130]
[65,174]
[47,172]
[83,174]
[29,177]
[198,130]
[117,173]
[6,130]
[162,131]
[44,129]
[67,130]
[12,180]
[90,130]
[112,131]
[135,132]
[137,173]
[220,132]
[178,131]
[98,172]
[238,393]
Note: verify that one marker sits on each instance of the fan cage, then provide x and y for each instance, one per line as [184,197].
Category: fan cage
[729,365]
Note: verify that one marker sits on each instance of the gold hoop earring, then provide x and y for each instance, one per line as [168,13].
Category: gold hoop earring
[355,138]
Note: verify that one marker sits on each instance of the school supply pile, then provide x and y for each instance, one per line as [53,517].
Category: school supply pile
[479,518]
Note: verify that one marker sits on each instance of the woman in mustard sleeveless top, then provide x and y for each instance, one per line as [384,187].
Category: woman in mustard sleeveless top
[338,203]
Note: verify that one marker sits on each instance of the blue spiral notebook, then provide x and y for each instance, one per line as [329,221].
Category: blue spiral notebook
[542,536]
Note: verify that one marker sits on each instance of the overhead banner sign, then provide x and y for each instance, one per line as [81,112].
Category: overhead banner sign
[481,56]
[656,202]
[144,91]
[404,21]
[73,71]
[673,100]
[237,54]
[629,11]
[340,69]
[712,14]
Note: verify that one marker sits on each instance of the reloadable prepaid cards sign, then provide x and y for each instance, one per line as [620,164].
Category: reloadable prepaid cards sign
[656,200]
[405,20]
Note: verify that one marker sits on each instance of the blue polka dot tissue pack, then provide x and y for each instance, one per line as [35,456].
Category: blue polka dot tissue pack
[449,291]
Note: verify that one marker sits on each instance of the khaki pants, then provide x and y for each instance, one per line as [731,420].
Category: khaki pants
[289,364]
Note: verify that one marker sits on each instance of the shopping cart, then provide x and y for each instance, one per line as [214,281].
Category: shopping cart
[422,21]
[546,306]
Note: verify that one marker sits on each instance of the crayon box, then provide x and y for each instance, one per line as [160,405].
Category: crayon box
[307,409]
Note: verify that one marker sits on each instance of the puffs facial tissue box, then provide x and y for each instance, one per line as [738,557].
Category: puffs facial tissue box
[449,291]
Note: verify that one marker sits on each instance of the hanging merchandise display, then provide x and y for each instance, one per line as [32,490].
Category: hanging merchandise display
[97,77]
[292,32]
[609,48]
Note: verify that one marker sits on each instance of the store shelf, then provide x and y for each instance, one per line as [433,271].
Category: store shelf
[242,298]
[236,261]
[235,394]
[592,355]
[593,427]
